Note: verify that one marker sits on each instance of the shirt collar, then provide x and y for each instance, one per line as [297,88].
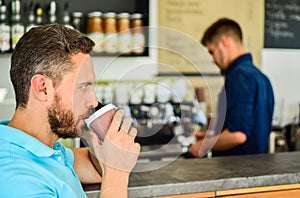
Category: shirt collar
[243,58]
[33,145]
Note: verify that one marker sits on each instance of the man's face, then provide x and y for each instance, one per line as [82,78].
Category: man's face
[216,49]
[74,99]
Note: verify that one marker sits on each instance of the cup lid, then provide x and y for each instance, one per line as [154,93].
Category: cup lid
[99,113]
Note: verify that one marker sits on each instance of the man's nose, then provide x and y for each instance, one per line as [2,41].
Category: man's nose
[95,101]
[92,100]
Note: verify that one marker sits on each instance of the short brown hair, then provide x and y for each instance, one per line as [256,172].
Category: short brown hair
[223,26]
[44,50]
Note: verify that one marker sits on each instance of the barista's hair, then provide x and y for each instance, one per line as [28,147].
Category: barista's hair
[222,27]
[44,50]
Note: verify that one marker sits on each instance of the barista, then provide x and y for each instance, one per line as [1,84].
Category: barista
[246,102]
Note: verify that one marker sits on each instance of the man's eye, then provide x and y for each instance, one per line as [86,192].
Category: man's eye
[84,86]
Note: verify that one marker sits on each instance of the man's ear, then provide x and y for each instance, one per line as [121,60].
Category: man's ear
[225,41]
[40,86]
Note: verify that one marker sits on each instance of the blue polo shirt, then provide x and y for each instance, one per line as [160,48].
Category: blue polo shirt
[249,105]
[29,168]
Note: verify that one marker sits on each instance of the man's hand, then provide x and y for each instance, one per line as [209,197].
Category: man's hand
[118,149]
[117,155]
[199,135]
[203,144]
[195,148]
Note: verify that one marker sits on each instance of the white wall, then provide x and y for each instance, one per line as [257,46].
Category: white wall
[7,106]
[283,68]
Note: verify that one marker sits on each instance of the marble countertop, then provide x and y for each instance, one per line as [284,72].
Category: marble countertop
[203,175]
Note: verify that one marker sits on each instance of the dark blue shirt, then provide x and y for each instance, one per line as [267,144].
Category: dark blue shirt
[249,106]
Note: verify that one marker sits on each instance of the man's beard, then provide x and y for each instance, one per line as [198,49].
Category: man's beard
[62,122]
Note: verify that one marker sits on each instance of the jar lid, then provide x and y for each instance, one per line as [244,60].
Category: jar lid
[123,15]
[77,14]
[94,14]
[136,16]
[109,15]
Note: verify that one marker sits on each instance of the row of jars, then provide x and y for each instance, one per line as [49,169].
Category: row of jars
[116,33]
[112,33]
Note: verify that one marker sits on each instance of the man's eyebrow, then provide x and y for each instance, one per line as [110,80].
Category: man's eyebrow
[86,83]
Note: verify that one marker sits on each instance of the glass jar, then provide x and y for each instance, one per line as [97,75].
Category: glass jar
[95,31]
[124,33]
[111,36]
[138,37]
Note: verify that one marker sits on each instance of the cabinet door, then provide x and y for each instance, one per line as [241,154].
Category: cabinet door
[196,195]
[287,190]
[274,194]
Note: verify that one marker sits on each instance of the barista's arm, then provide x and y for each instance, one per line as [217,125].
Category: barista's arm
[225,141]
[228,140]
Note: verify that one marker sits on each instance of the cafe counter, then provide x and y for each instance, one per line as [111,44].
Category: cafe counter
[215,177]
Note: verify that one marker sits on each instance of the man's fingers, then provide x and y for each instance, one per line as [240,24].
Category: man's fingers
[126,125]
[199,135]
[132,133]
[115,124]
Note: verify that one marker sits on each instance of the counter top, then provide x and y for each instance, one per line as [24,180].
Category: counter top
[203,175]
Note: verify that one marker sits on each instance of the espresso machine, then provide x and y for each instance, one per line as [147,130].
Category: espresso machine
[161,115]
[162,123]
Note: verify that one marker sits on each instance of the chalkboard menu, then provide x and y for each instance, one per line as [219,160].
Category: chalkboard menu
[282,24]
